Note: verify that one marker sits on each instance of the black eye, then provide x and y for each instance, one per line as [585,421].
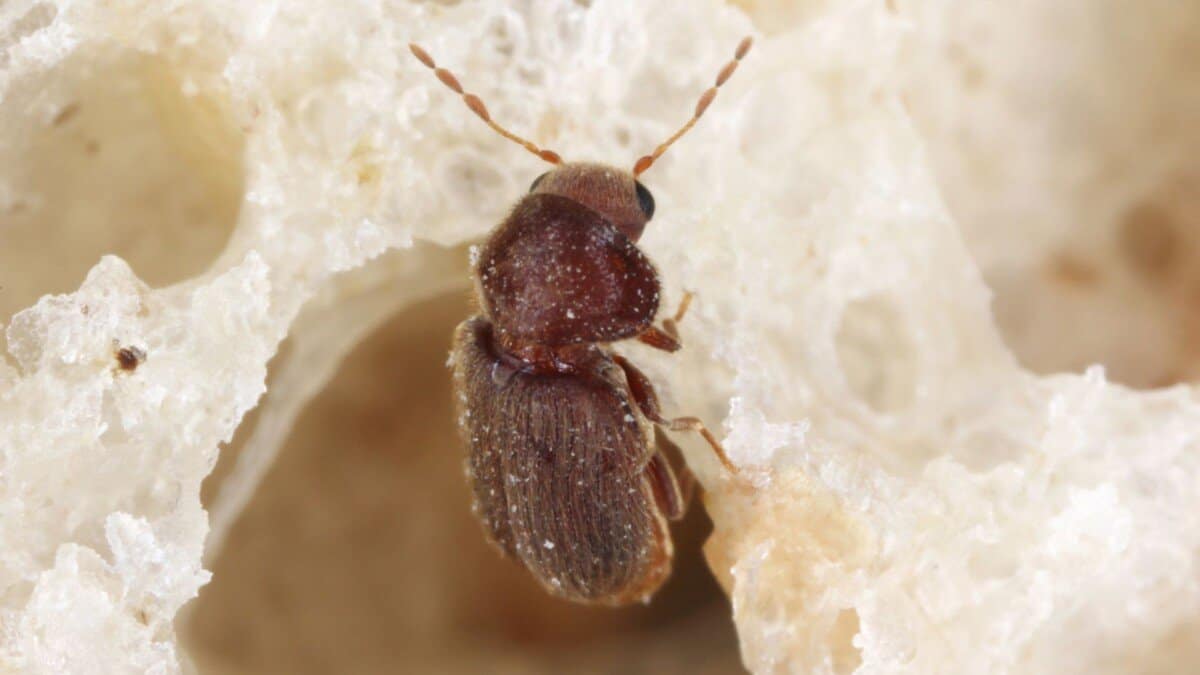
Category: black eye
[534,184]
[645,200]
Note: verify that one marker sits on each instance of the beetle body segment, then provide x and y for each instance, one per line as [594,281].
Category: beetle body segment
[560,465]
[557,272]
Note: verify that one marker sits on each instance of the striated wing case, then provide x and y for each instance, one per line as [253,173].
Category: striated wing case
[557,465]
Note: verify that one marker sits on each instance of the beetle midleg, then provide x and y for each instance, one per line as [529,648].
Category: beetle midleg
[665,487]
[694,424]
[643,393]
[641,389]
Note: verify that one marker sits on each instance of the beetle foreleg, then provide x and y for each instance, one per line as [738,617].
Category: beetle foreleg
[667,337]
[671,325]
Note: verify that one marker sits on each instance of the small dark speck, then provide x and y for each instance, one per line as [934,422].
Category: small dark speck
[91,147]
[129,358]
[65,114]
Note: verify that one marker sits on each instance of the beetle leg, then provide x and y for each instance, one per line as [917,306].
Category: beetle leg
[665,486]
[683,475]
[642,390]
[660,339]
[671,325]
[667,337]
[643,394]
[694,424]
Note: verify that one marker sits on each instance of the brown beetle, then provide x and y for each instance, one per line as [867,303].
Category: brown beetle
[566,466]
[129,358]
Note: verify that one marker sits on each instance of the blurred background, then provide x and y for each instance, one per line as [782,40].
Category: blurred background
[1064,140]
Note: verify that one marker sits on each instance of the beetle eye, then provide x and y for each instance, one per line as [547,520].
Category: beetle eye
[645,200]
[534,184]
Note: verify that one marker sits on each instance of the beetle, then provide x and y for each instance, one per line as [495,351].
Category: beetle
[565,452]
[128,358]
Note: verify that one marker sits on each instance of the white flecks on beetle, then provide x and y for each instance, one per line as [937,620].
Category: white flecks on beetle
[548,545]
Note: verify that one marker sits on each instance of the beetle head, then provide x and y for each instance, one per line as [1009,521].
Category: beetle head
[611,192]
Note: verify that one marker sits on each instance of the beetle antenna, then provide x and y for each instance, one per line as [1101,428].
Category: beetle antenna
[705,100]
[476,105]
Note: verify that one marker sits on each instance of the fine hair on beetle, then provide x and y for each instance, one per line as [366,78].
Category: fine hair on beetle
[565,442]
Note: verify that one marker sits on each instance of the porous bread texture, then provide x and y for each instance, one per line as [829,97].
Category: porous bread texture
[912,500]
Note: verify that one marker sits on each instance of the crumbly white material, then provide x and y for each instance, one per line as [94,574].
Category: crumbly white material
[911,500]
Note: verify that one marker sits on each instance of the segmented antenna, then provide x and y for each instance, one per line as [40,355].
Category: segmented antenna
[476,105]
[705,100]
